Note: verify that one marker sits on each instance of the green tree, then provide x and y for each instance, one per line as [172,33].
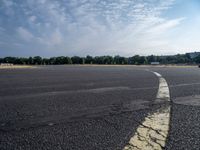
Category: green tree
[89,59]
[76,60]
[37,60]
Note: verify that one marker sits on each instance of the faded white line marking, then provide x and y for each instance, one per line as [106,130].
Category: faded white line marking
[185,84]
[108,89]
[54,93]
[96,90]
[153,132]
[193,100]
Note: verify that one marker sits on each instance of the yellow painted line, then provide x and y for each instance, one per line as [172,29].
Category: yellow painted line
[153,132]
[163,91]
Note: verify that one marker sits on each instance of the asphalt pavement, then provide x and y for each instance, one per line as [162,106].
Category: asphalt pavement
[94,107]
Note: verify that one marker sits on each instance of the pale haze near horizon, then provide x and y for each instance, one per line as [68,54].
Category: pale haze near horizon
[98,27]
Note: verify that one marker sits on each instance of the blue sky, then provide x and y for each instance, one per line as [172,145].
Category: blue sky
[98,27]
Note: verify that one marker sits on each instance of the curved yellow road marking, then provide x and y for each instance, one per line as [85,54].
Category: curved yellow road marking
[153,132]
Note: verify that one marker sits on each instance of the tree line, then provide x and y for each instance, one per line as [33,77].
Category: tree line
[135,60]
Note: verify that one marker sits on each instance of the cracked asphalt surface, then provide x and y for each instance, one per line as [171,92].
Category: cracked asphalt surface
[93,107]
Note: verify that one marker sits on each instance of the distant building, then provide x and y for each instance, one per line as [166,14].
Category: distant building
[194,54]
[155,63]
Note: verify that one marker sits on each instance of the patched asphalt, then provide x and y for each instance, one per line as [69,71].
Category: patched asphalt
[92,107]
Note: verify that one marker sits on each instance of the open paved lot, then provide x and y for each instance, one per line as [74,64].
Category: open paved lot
[94,107]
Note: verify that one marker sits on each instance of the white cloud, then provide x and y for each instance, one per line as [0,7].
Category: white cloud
[25,34]
[32,18]
[97,27]
[166,25]
[8,3]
